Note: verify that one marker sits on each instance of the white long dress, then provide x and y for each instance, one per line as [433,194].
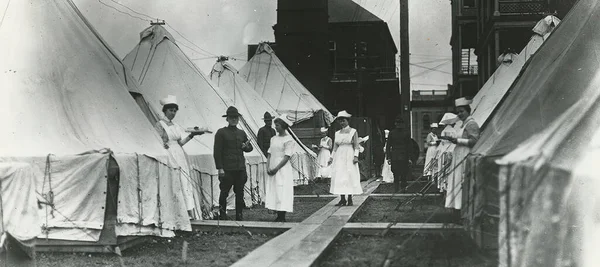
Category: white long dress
[430,155]
[445,151]
[454,179]
[280,187]
[386,170]
[345,176]
[323,157]
[469,129]
[178,156]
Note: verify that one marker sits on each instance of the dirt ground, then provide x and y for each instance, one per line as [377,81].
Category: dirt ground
[204,249]
[303,208]
[407,250]
[406,209]
[320,187]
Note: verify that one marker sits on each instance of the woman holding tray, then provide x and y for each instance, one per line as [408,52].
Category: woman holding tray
[174,138]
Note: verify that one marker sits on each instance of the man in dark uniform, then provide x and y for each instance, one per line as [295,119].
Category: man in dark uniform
[265,133]
[399,150]
[230,145]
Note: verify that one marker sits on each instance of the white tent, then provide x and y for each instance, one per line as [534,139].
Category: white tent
[276,84]
[163,69]
[546,132]
[494,89]
[227,78]
[69,115]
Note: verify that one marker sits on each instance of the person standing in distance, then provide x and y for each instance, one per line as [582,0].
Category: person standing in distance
[229,148]
[398,150]
[265,133]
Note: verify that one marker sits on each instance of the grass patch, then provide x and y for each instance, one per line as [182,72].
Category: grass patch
[204,249]
[406,210]
[447,249]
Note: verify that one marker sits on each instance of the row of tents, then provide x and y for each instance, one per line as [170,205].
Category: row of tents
[530,189]
[80,159]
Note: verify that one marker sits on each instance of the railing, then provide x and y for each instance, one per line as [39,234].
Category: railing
[522,7]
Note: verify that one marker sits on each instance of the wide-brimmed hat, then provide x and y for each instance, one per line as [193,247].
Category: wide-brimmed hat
[284,118]
[268,117]
[343,114]
[324,130]
[232,112]
[449,118]
[170,99]
[463,101]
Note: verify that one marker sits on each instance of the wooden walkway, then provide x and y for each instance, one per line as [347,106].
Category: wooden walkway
[303,244]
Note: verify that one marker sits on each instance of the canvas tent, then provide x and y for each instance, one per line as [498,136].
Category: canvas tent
[494,89]
[543,129]
[276,84]
[162,69]
[227,79]
[72,127]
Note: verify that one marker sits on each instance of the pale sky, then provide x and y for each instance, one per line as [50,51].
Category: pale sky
[225,27]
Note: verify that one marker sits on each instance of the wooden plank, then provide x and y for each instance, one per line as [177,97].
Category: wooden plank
[305,243]
[309,249]
[269,252]
[234,227]
[377,228]
[380,196]
[315,196]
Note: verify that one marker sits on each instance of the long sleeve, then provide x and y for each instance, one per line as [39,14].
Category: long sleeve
[248,148]
[472,132]
[218,149]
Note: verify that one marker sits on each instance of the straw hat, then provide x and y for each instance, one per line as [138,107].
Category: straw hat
[285,119]
[324,130]
[343,114]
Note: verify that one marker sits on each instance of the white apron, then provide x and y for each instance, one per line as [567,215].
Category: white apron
[323,158]
[178,156]
[430,155]
[279,188]
[345,176]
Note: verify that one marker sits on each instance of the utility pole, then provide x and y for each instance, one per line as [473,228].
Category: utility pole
[404,66]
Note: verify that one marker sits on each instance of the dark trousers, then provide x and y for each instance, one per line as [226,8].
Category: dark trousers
[237,180]
[400,170]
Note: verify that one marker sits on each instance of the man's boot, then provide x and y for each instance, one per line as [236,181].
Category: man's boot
[239,213]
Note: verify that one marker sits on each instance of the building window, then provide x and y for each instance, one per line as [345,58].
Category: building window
[426,122]
[468,62]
